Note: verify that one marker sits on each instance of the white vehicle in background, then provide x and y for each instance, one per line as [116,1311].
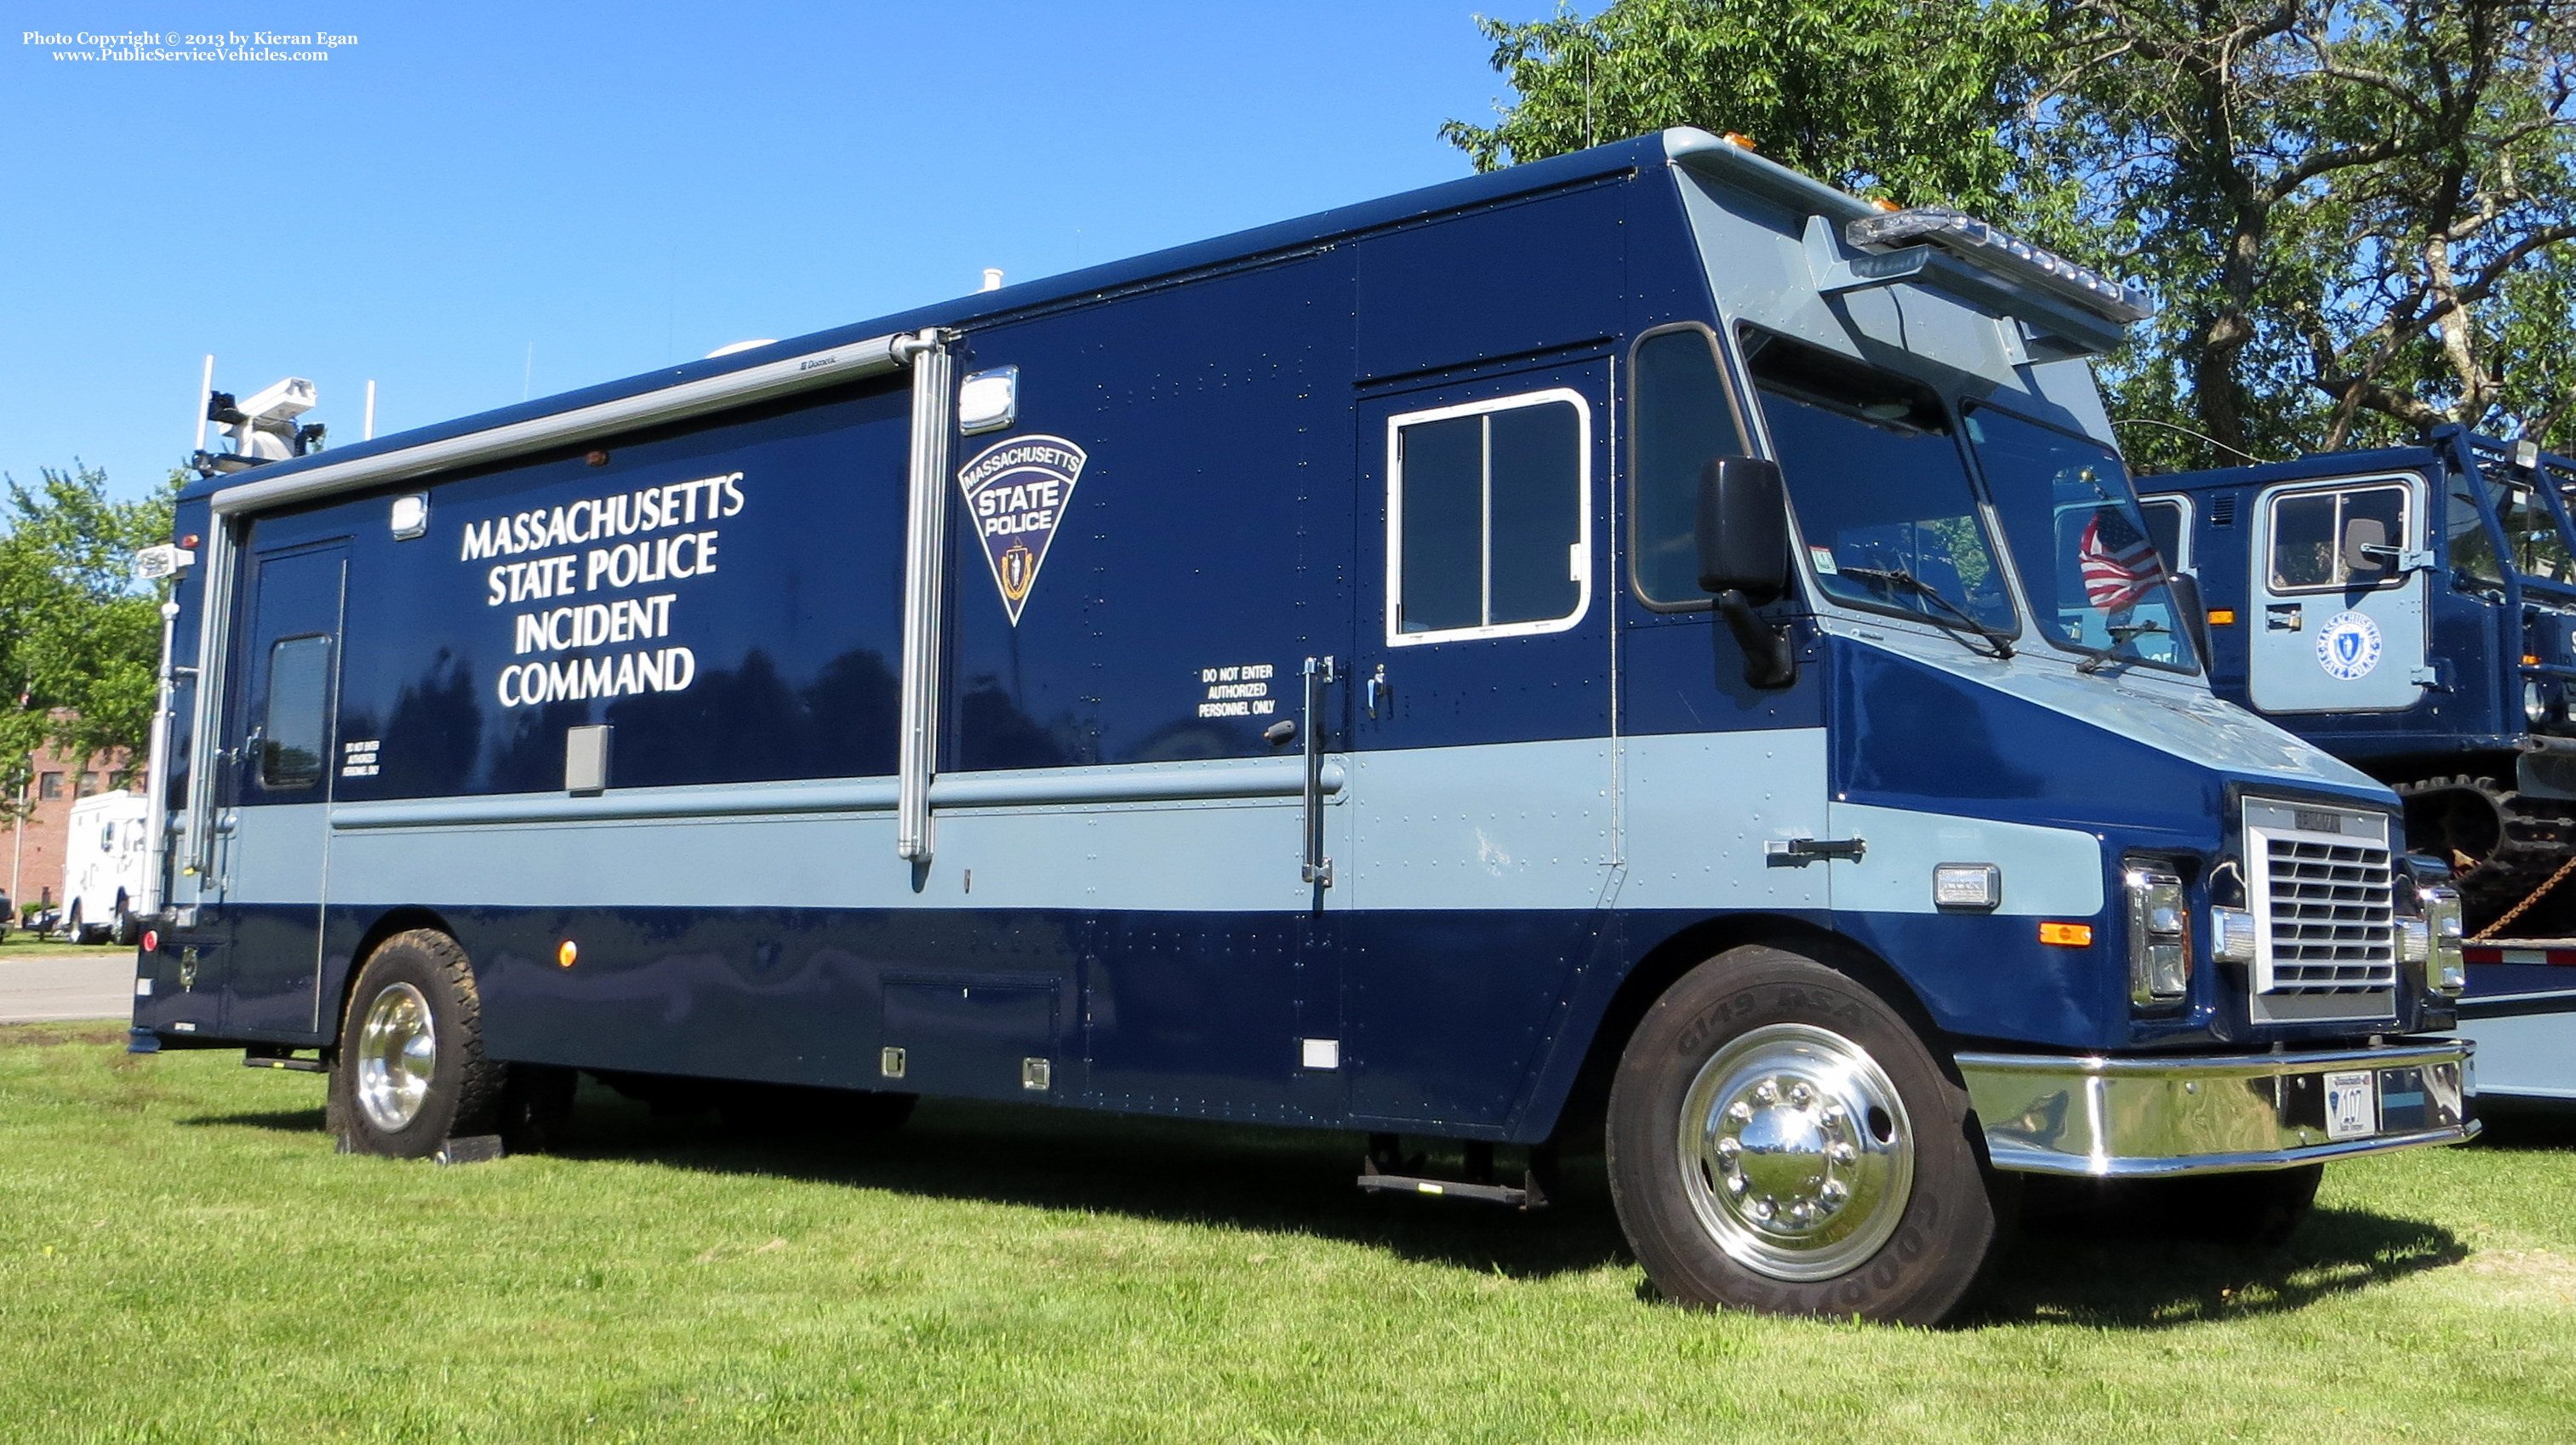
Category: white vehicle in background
[107,857]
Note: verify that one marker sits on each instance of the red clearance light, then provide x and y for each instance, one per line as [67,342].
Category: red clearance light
[189,542]
[151,940]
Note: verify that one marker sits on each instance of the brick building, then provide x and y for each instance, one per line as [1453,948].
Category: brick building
[34,862]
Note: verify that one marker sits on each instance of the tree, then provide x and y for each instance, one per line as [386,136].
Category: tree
[1905,98]
[2356,212]
[80,638]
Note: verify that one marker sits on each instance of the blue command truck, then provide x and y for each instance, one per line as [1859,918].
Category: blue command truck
[1592,650]
[2412,610]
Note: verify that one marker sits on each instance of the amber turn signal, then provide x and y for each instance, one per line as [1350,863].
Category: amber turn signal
[566,952]
[2067,935]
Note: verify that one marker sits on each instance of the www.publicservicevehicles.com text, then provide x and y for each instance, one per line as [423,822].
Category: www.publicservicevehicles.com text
[213,45]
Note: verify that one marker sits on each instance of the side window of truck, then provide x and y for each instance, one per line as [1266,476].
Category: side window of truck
[1488,519]
[292,729]
[2163,517]
[2318,538]
[1681,414]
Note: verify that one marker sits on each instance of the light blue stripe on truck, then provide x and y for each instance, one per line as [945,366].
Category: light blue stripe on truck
[1517,826]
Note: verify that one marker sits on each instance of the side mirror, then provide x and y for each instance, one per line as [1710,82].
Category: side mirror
[1743,529]
[2365,545]
[2184,588]
[1743,536]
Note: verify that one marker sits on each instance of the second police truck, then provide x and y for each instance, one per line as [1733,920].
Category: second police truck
[1591,650]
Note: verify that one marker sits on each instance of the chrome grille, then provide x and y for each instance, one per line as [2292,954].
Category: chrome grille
[2325,908]
[2332,919]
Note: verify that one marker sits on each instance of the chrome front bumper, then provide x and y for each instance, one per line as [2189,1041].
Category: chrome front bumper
[2206,1114]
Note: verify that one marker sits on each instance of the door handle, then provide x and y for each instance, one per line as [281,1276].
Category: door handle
[1316,869]
[1378,689]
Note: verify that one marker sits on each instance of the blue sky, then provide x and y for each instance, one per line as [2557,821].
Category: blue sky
[475,198]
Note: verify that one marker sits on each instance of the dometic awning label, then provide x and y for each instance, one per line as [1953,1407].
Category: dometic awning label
[1017,492]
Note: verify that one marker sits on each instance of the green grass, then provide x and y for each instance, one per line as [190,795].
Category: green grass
[22,944]
[182,1257]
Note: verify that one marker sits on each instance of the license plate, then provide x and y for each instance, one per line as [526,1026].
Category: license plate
[2352,1104]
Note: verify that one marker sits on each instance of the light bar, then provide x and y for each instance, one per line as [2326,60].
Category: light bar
[1974,241]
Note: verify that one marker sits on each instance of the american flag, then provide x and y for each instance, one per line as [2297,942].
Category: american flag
[2118,560]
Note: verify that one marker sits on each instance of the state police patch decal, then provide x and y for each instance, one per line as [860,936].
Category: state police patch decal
[2348,646]
[1017,492]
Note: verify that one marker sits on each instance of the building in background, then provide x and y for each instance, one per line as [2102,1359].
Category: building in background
[38,840]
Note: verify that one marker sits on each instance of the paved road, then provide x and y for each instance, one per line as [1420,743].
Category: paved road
[53,990]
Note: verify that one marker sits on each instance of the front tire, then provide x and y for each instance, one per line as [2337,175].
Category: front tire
[411,1073]
[1780,1139]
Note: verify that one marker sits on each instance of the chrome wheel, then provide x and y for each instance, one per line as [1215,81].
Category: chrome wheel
[1796,1152]
[397,1054]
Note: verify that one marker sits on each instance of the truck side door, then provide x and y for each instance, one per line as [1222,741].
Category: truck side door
[274,818]
[2337,622]
[1481,776]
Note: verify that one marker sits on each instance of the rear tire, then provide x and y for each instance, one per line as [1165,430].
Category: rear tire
[1780,1139]
[410,1072]
[129,929]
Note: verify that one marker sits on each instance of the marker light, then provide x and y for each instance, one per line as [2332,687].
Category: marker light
[1973,240]
[566,952]
[151,940]
[2067,935]
[2222,617]
[1967,886]
[2231,935]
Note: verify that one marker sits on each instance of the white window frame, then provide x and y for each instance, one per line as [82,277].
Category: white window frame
[2404,483]
[1579,563]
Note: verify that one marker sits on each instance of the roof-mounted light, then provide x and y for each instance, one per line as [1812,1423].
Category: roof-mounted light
[1976,242]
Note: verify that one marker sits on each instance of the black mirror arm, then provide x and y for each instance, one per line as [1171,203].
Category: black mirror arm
[1770,655]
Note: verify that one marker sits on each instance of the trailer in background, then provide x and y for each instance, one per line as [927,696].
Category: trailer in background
[107,867]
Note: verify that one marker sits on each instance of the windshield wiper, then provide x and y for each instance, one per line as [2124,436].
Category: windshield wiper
[2121,636]
[1899,577]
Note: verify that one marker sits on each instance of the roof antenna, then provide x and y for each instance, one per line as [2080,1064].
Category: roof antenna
[205,389]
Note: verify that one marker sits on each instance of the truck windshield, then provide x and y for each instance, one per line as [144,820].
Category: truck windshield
[1879,487]
[2539,550]
[2084,553]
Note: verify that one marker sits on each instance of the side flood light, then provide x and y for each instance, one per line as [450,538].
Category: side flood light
[1977,887]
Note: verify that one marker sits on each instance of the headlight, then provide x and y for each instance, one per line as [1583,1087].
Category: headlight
[2535,706]
[2446,969]
[2159,938]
